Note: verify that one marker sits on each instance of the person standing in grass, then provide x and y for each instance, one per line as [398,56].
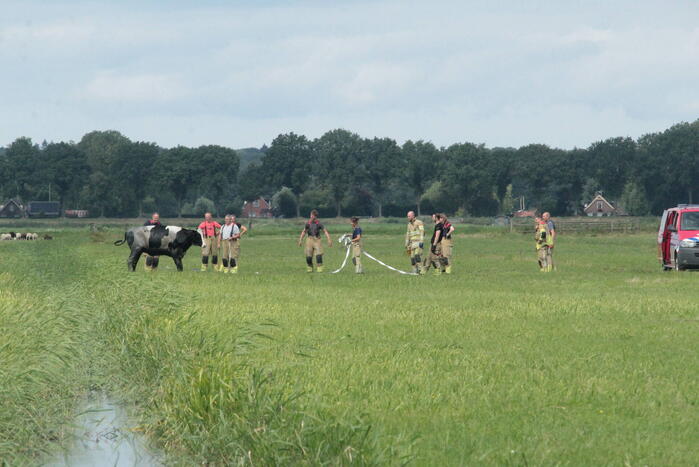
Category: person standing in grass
[414,238]
[357,246]
[314,245]
[542,244]
[551,233]
[446,244]
[151,262]
[435,259]
[209,229]
[229,237]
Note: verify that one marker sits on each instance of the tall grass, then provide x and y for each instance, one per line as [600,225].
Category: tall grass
[44,331]
[82,324]
[497,364]
[202,399]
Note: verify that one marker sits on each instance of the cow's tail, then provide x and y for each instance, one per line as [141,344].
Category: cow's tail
[121,242]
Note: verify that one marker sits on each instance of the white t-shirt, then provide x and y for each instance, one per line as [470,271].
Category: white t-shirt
[228,231]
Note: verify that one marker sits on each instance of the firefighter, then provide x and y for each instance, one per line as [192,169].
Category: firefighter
[357,246]
[229,237]
[448,230]
[542,240]
[435,259]
[414,242]
[314,245]
[551,233]
[151,262]
[209,229]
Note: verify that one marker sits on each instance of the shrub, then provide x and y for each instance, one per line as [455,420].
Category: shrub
[234,206]
[284,203]
[203,205]
[187,210]
[437,198]
[316,199]
[634,200]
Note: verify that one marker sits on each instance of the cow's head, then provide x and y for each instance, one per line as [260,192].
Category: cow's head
[201,235]
[197,238]
[186,238]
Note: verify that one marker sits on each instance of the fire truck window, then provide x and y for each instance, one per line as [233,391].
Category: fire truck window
[690,221]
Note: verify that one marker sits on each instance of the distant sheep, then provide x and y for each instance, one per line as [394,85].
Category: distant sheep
[22,236]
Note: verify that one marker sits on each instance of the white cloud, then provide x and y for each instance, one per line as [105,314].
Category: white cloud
[144,88]
[505,74]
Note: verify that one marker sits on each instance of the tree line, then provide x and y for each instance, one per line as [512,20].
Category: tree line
[343,173]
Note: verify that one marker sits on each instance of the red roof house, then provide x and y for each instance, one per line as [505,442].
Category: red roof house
[258,208]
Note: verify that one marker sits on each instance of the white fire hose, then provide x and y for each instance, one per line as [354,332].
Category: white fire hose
[346,240]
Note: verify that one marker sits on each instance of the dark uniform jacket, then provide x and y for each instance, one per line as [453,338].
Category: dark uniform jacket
[313,229]
[437,234]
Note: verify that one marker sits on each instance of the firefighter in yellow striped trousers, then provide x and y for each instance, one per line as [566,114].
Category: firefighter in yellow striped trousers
[543,243]
[414,241]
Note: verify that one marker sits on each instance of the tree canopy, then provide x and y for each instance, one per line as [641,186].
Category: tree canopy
[343,173]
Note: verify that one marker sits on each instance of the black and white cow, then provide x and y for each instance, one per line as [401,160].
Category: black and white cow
[160,240]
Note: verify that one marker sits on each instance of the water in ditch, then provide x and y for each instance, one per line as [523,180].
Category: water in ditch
[105,436]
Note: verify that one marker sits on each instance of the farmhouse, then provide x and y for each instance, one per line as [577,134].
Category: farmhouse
[258,208]
[599,207]
[43,209]
[12,208]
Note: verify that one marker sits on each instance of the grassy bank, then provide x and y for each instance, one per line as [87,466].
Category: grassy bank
[85,326]
[496,364]
[46,333]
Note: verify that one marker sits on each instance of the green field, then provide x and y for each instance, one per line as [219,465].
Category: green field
[595,364]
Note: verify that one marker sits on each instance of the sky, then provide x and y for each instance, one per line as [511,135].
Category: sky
[235,73]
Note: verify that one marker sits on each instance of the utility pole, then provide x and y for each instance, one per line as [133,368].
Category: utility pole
[49,191]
